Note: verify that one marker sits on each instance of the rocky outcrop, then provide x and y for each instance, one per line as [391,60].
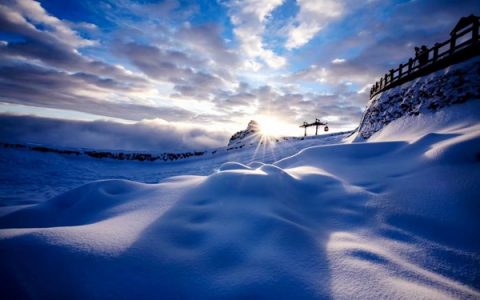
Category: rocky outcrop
[455,84]
[253,128]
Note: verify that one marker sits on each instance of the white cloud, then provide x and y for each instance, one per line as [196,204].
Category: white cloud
[273,60]
[187,72]
[61,30]
[337,72]
[149,135]
[311,18]
[249,18]
[338,61]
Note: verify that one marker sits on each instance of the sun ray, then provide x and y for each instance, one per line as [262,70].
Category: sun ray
[272,126]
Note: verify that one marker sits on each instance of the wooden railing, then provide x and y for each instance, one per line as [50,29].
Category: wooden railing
[462,45]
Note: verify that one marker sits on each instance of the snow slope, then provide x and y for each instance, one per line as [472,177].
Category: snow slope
[396,217]
[455,84]
[54,173]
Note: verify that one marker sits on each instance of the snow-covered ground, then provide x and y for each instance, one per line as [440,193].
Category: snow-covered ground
[29,177]
[397,216]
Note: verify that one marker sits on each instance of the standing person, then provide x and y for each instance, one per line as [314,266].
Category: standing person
[423,55]
[417,54]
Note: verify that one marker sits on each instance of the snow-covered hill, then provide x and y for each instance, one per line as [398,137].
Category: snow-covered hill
[396,216]
[455,84]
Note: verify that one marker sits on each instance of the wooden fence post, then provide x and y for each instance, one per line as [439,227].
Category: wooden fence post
[423,58]
[453,41]
[475,27]
[435,52]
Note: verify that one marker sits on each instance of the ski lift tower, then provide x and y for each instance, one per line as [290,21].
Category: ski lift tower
[316,124]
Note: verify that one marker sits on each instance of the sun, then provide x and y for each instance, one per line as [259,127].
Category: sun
[270,126]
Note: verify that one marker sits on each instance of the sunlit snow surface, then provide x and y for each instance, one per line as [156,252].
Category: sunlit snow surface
[395,217]
[50,174]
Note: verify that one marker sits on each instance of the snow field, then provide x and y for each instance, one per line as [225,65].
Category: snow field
[383,219]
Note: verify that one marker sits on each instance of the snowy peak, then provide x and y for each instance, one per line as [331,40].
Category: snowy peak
[253,126]
[252,129]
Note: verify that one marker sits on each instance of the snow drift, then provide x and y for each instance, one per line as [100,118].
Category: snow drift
[56,172]
[394,219]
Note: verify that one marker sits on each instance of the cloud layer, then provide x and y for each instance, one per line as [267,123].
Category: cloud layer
[211,64]
[153,135]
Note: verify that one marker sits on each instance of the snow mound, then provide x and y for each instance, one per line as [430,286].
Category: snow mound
[85,205]
[255,164]
[383,219]
[233,166]
[55,174]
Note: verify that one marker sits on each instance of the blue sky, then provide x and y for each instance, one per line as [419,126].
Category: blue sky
[207,66]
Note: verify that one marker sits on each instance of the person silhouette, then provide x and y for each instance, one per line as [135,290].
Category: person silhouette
[417,54]
[423,55]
